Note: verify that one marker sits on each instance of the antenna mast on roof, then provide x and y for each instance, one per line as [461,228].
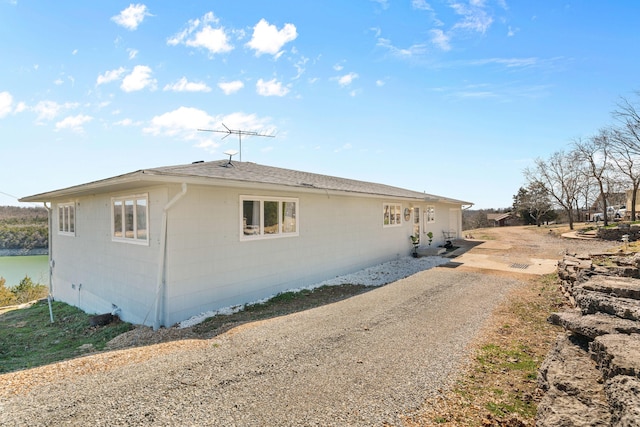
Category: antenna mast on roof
[239,133]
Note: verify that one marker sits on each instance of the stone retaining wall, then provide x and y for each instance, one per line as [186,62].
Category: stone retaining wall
[592,375]
[615,234]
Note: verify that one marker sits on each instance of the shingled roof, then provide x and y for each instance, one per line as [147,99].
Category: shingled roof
[221,171]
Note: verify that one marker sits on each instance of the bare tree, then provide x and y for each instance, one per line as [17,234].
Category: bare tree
[560,174]
[626,145]
[594,154]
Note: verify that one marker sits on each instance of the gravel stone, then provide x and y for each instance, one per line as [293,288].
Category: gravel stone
[362,361]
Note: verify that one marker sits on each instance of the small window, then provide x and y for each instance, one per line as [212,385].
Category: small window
[130,219]
[67,219]
[391,214]
[264,217]
[430,214]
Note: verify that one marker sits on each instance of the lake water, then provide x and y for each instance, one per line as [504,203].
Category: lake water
[14,268]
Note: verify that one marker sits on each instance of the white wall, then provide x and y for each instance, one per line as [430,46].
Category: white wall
[207,265]
[93,272]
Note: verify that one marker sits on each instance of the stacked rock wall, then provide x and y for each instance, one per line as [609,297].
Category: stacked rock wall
[592,375]
[616,233]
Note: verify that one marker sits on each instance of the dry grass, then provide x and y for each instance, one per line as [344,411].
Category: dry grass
[499,385]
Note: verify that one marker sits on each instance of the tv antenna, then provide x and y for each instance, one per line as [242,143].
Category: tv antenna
[239,133]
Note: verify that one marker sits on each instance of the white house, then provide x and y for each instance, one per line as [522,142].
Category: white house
[161,245]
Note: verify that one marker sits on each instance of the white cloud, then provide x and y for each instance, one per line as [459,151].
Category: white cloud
[416,49]
[508,62]
[48,110]
[268,39]
[420,5]
[300,67]
[110,76]
[347,79]
[383,3]
[183,85]
[74,52]
[231,87]
[73,123]
[440,39]
[345,147]
[474,17]
[6,104]
[132,53]
[200,34]
[271,88]
[338,67]
[215,40]
[184,121]
[20,107]
[140,78]
[132,16]
[126,123]
[380,83]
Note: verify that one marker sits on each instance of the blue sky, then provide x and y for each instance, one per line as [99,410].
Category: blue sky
[454,98]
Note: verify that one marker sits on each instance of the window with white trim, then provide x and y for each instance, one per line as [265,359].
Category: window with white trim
[430,214]
[268,217]
[67,219]
[130,219]
[391,214]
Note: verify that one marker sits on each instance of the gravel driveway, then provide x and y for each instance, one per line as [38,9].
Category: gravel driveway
[364,361]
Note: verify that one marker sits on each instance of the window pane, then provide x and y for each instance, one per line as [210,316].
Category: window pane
[271,217]
[288,217]
[393,214]
[387,220]
[141,219]
[430,214]
[72,219]
[416,221]
[251,217]
[128,219]
[60,218]
[117,219]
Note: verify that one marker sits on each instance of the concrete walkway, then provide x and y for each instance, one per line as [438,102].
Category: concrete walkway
[497,255]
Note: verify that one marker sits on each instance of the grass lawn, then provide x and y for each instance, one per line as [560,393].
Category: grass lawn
[29,339]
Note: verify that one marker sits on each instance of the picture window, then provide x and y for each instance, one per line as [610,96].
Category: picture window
[268,217]
[130,219]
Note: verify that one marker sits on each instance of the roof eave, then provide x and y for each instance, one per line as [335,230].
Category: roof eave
[149,177]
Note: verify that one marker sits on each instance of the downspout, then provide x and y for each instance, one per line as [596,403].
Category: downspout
[162,258]
[50,296]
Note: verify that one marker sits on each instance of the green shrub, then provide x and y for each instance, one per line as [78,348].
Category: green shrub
[6,296]
[28,291]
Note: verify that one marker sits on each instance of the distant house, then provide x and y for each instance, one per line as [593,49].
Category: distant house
[500,219]
[162,245]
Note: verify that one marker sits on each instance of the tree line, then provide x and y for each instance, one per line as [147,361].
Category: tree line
[593,172]
[23,228]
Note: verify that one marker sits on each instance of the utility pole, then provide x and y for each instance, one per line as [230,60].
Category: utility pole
[239,133]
